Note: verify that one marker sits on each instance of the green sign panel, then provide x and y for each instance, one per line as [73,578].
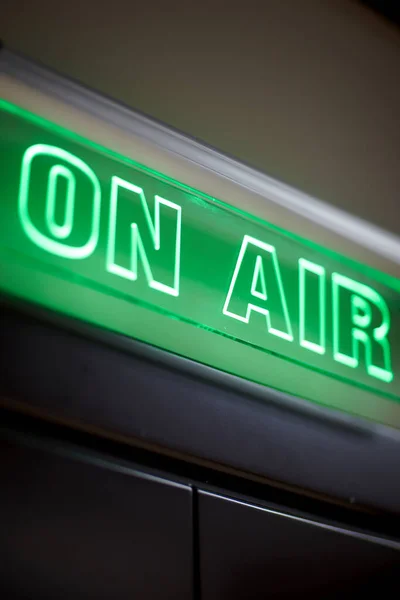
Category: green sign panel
[92,234]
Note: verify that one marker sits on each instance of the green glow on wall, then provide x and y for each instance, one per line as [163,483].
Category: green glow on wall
[108,232]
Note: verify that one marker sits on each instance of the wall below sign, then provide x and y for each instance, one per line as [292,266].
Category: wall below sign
[82,525]
[285,557]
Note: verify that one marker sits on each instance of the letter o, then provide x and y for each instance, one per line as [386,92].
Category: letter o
[40,239]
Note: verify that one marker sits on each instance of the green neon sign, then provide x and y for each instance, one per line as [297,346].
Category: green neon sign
[94,235]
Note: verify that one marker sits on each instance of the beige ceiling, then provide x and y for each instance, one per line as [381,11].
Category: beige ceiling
[307,91]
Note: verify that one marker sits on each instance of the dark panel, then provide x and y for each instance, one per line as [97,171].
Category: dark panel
[247,552]
[72,530]
[197,411]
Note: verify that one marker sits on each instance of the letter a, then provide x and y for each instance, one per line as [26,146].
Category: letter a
[257,286]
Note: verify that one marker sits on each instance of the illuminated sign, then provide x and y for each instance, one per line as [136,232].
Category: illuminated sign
[94,235]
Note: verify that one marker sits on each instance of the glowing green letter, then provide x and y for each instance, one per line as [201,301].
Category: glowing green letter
[312,303]
[132,232]
[43,168]
[360,316]
[257,285]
